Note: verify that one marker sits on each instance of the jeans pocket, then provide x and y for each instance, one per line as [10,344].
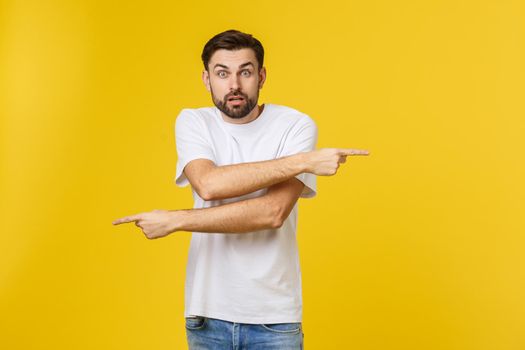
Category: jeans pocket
[195,322]
[294,327]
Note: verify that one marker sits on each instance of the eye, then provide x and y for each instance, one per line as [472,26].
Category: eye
[222,74]
[246,73]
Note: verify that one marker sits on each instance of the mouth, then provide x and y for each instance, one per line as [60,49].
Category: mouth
[236,100]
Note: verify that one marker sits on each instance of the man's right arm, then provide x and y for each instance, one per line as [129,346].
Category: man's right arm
[213,182]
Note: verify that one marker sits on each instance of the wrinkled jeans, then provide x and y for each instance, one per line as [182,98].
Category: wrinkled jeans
[205,333]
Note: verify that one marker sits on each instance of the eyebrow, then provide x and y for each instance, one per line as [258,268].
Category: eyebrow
[241,66]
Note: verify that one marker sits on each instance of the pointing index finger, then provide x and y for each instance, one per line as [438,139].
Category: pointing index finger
[126,219]
[353,152]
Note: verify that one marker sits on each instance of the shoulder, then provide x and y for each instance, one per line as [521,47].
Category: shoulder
[195,116]
[292,116]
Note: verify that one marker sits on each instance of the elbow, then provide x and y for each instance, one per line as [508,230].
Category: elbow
[205,190]
[277,216]
[276,223]
[205,194]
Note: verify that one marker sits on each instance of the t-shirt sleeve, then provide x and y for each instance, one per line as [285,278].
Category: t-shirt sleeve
[303,138]
[191,142]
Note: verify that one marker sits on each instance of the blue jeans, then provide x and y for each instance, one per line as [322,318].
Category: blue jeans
[206,333]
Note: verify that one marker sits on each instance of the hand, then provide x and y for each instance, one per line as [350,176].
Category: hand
[154,224]
[325,161]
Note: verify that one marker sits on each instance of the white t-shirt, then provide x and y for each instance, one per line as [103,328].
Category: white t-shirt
[250,277]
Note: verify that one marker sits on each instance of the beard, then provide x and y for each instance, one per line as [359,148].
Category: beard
[235,112]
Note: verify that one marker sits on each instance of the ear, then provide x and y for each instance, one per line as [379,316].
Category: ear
[262,77]
[206,79]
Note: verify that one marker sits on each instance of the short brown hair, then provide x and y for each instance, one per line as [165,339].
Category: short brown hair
[232,40]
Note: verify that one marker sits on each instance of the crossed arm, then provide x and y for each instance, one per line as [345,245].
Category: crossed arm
[264,212]
[213,182]
[268,211]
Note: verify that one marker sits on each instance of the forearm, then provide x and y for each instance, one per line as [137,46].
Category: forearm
[239,217]
[238,179]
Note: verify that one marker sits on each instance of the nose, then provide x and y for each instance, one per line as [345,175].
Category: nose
[234,83]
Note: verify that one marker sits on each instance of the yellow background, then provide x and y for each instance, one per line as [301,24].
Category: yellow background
[418,246]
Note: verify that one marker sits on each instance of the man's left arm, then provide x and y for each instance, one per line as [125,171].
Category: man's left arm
[265,212]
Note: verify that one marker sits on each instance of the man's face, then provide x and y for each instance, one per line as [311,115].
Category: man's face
[234,81]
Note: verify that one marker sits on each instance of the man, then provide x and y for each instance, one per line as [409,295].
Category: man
[247,165]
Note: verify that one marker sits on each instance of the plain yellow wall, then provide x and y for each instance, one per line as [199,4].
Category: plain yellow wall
[418,246]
